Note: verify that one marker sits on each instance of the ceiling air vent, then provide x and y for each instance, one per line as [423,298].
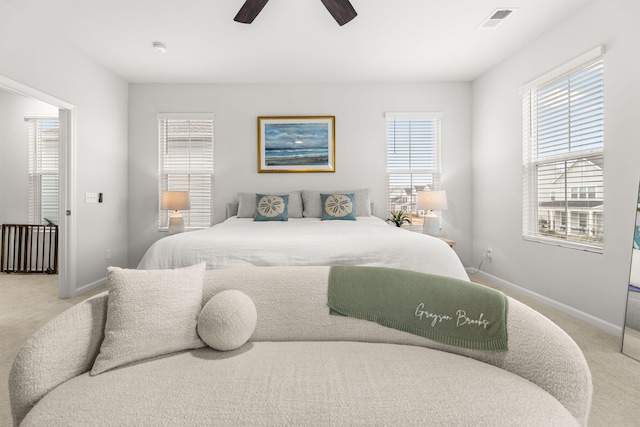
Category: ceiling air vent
[496,18]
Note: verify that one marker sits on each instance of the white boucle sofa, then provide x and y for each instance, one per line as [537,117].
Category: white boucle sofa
[302,367]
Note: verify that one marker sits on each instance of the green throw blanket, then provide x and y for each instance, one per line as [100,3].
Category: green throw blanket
[443,309]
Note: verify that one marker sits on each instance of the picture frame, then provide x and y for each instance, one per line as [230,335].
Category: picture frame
[296,144]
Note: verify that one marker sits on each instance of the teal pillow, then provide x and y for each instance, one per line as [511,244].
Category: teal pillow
[272,207]
[338,206]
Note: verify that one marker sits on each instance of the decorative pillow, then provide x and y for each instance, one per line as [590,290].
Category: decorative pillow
[228,320]
[271,207]
[150,313]
[247,204]
[313,204]
[338,206]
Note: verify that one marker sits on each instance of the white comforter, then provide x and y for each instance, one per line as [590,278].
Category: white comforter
[242,242]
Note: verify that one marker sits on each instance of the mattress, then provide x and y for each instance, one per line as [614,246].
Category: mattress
[242,242]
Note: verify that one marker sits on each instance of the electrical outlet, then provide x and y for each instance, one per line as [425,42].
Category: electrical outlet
[489,253]
[108,253]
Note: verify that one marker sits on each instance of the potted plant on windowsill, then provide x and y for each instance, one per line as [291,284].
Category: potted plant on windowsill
[399,218]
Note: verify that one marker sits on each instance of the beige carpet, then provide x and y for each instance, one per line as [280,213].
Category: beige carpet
[616,377]
[28,301]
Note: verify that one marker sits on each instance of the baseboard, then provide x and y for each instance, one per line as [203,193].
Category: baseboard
[88,287]
[585,317]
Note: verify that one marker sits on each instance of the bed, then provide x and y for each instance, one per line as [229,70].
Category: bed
[304,237]
[243,242]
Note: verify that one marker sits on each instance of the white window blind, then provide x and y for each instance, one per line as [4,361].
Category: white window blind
[413,158]
[44,141]
[186,164]
[563,157]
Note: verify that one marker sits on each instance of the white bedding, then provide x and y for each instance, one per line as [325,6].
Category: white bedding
[242,242]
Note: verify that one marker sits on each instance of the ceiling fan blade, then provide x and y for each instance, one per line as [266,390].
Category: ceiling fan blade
[341,10]
[249,10]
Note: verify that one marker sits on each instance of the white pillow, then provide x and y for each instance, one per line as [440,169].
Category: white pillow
[150,313]
[228,320]
[313,205]
[247,204]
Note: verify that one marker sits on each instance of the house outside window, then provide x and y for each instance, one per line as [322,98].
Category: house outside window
[186,164]
[43,188]
[413,159]
[575,191]
[563,155]
[582,222]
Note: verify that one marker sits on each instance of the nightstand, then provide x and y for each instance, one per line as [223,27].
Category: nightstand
[451,243]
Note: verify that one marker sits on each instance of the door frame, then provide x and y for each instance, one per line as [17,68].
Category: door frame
[67,183]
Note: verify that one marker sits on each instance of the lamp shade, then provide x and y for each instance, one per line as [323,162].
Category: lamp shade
[175,200]
[432,200]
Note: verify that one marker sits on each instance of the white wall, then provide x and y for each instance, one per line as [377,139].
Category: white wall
[594,284]
[360,143]
[35,57]
[14,161]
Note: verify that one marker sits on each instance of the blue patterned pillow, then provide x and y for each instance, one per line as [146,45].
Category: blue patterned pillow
[338,206]
[272,207]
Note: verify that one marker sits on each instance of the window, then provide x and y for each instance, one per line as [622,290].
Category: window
[583,218]
[563,157]
[44,141]
[575,191]
[413,158]
[186,164]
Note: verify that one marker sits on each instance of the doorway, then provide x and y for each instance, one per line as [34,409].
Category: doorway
[66,179]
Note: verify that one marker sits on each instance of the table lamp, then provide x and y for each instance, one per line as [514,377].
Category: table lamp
[175,201]
[432,201]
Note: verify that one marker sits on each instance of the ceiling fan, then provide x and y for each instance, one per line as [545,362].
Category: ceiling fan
[341,10]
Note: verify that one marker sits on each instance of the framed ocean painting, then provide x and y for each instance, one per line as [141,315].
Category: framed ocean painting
[296,144]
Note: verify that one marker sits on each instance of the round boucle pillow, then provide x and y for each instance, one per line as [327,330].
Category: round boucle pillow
[227,321]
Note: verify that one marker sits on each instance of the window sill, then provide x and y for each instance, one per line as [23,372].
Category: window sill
[564,244]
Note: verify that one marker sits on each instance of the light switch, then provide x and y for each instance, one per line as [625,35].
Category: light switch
[91,197]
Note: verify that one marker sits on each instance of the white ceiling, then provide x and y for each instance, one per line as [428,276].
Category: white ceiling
[296,40]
